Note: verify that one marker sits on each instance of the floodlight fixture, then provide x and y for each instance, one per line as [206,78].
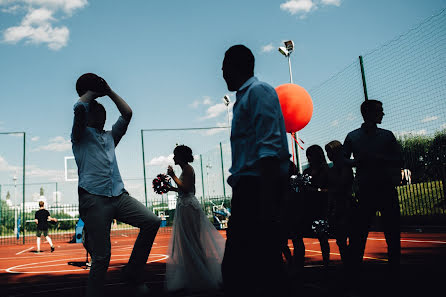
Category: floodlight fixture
[226,100]
[289,44]
[284,51]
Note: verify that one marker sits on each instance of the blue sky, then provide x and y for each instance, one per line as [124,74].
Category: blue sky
[164,58]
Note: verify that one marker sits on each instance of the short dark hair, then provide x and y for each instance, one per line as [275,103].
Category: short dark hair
[184,153]
[41,203]
[317,153]
[96,107]
[369,105]
[89,81]
[241,58]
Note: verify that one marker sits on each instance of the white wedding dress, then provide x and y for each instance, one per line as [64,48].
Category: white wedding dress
[195,248]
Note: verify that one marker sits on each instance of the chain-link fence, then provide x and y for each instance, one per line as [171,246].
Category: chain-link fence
[407,74]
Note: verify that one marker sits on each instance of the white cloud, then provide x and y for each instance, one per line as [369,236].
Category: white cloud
[35,138]
[37,26]
[5,166]
[214,111]
[443,126]
[411,133]
[56,144]
[205,101]
[161,161]
[268,48]
[48,174]
[298,6]
[303,7]
[351,117]
[429,119]
[334,123]
[331,2]
[210,132]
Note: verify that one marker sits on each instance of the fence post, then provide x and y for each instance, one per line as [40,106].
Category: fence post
[23,208]
[364,85]
[202,181]
[144,165]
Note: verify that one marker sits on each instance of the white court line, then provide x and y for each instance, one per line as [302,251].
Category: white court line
[413,240]
[11,269]
[25,250]
[365,257]
[66,252]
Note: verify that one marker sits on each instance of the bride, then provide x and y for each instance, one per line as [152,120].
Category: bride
[196,248]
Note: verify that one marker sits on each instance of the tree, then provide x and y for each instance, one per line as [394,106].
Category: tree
[8,196]
[42,191]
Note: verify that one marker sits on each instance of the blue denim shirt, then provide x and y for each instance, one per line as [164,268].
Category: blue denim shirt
[258,130]
[94,152]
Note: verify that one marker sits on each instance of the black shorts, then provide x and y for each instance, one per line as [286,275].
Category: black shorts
[39,233]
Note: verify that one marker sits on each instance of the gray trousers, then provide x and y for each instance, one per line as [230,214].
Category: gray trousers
[98,212]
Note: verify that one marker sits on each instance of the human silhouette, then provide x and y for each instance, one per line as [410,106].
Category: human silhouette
[378,161]
[41,219]
[293,222]
[102,196]
[340,190]
[316,199]
[195,248]
[252,263]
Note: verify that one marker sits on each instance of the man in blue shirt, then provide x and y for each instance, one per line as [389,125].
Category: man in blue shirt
[260,157]
[102,196]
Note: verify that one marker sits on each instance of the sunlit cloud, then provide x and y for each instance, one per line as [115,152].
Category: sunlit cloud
[38,24]
[411,133]
[161,161]
[303,7]
[56,144]
[429,119]
[268,48]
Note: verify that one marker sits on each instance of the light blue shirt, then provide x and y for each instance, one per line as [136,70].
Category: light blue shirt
[258,130]
[94,152]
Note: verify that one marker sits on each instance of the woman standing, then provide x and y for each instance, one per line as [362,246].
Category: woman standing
[196,248]
[316,198]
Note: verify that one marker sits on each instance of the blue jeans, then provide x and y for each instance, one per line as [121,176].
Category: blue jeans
[98,213]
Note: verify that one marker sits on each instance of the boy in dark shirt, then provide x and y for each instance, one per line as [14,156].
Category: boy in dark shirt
[41,218]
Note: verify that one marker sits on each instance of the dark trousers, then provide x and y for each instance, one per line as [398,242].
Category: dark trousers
[372,199]
[252,263]
[98,212]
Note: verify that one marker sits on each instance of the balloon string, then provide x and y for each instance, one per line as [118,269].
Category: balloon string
[292,150]
[297,141]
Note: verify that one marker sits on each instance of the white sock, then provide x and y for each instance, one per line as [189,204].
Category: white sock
[38,244]
[49,240]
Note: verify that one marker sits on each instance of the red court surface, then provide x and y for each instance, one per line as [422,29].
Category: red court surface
[63,273]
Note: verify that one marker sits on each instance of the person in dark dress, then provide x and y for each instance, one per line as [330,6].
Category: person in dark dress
[315,202]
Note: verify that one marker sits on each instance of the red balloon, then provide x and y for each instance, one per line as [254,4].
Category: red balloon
[297,106]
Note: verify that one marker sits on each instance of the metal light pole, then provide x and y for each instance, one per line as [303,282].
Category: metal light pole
[286,51]
[208,166]
[226,100]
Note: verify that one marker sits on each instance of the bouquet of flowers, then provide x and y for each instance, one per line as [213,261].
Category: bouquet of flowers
[161,184]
